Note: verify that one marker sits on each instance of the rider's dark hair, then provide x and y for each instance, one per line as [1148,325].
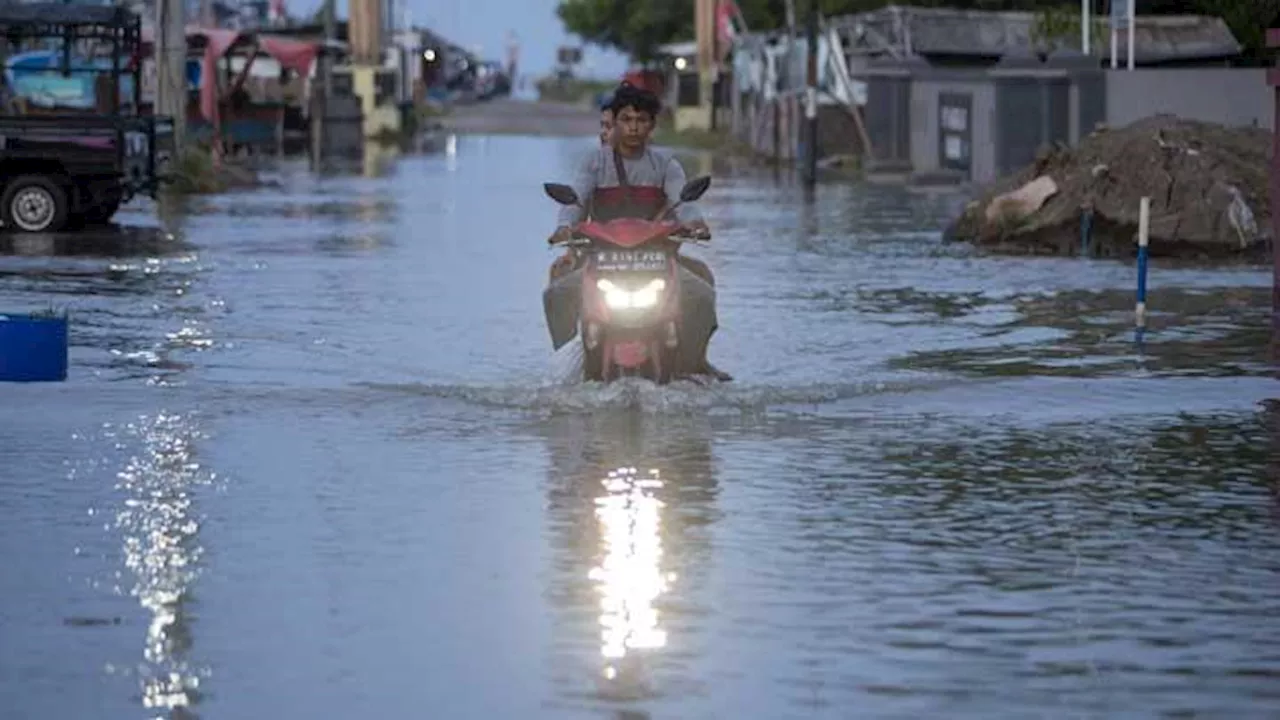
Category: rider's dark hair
[636,98]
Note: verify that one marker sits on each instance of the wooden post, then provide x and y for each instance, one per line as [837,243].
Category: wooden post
[364,31]
[321,101]
[1273,79]
[170,58]
[777,129]
[705,33]
[811,98]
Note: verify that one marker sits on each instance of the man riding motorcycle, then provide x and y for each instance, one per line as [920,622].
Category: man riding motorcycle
[627,178]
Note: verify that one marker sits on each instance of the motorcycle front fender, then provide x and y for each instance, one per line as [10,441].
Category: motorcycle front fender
[562,307]
[698,318]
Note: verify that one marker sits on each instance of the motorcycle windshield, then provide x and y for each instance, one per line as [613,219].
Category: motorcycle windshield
[627,232]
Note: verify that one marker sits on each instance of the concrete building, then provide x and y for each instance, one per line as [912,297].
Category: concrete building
[971,95]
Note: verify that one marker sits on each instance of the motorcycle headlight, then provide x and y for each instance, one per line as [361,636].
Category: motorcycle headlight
[621,298]
[647,296]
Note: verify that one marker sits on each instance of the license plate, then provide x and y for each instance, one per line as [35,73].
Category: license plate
[631,260]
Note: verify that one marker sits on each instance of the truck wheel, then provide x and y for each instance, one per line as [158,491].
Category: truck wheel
[34,203]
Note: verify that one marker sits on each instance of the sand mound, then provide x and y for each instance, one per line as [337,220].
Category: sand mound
[1208,186]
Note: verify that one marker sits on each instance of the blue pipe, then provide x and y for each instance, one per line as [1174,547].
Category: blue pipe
[1142,275]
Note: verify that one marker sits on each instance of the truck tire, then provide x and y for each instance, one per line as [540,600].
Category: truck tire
[33,203]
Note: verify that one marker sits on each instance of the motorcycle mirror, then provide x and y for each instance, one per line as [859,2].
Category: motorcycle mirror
[562,194]
[695,189]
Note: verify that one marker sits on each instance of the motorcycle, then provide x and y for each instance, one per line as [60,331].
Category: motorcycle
[638,312]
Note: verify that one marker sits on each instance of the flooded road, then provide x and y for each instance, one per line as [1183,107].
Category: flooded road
[316,459]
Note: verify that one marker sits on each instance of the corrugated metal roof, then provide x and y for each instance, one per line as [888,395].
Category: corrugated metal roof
[977,32]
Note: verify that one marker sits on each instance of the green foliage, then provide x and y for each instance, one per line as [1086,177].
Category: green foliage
[639,27]
[1248,20]
[636,27]
[570,90]
[193,173]
[1060,26]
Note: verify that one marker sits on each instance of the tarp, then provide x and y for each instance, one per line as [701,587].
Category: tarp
[35,75]
[217,42]
[296,55]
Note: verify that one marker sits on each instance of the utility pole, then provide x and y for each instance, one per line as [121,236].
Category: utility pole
[320,105]
[811,101]
[705,33]
[170,60]
[330,34]
[791,41]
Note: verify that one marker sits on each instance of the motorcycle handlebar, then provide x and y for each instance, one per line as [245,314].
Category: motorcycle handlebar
[682,237]
[690,236]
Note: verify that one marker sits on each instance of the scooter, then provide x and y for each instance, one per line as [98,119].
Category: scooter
[630,300]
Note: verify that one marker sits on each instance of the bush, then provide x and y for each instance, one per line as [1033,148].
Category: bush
[572,90]
[193,172]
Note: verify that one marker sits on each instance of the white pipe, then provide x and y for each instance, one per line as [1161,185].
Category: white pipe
[1133,20]
[1084,27]
[1115,44]
[1144,221]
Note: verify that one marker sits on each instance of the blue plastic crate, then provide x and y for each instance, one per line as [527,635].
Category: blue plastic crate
[33,348]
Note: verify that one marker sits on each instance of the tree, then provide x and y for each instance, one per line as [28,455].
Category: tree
[1248,20]
[639,27]
[636,27]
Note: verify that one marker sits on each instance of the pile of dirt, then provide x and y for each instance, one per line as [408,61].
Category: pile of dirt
[1207,184]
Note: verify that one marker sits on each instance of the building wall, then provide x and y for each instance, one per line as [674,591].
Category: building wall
[1088,103]
[888,116]
[926,152]
[1229,96]
[1032,111]
[903,110]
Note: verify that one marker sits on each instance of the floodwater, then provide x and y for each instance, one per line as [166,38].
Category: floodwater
[315,459]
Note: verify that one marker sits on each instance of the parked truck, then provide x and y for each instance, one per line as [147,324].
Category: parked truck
[73,147]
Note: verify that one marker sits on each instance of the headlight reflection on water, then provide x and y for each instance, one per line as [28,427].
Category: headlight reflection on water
[630,577]
[162,551]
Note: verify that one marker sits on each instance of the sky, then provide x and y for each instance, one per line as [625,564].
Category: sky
[485,23]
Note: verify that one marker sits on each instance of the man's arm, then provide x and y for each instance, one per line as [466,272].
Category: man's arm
[672,183]
[584,183]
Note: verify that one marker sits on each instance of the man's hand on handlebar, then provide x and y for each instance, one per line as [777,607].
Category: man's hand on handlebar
[562,236]
[696,230]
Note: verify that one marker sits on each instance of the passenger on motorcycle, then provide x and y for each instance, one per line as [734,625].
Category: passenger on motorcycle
[606,126]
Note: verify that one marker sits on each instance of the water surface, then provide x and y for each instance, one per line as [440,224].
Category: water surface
[316,459]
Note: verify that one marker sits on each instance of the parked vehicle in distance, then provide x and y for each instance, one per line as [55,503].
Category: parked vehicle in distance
[72,149]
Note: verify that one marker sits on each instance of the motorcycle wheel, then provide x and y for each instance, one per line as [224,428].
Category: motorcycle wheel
[592,365]
[663,364]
